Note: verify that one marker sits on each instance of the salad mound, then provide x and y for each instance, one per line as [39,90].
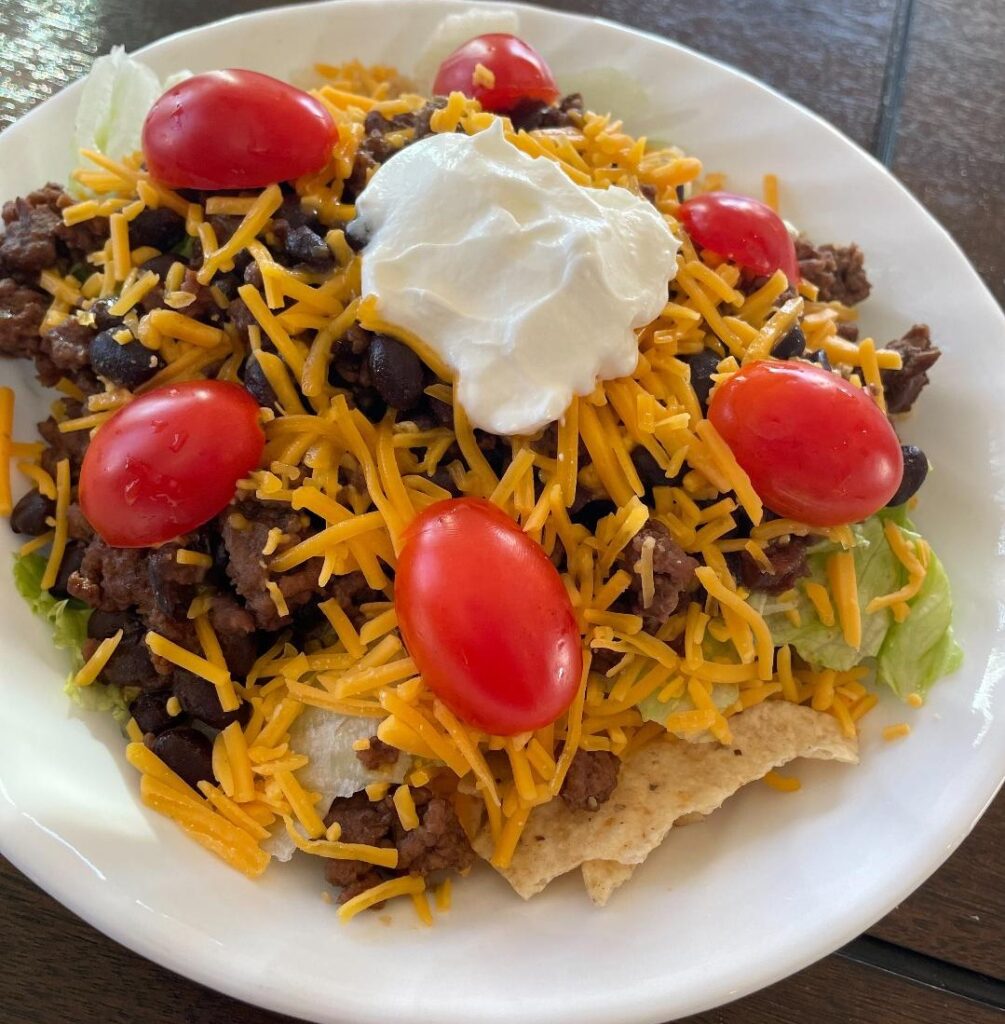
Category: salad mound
[336,615]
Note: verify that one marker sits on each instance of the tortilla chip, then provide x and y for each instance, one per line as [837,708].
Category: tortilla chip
[661,783]
[602,877]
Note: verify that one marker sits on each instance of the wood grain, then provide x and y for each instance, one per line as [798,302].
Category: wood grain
[959,914]
[950,140]
[848,993]
[942,123]
[89,978]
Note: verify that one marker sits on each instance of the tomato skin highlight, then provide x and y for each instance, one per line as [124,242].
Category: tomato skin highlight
[486,619]
[816,448]
[169,461]
[743,230]
[235,129]
[521,73]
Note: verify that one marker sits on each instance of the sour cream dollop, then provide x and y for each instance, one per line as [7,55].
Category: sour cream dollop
[527,285]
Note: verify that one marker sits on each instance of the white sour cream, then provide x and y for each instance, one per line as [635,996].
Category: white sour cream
[526,285]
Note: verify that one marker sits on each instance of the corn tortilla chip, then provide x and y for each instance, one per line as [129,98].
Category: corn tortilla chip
[602,877]
[658,785]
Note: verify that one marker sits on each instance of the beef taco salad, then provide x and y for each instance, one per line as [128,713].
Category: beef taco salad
[437,472]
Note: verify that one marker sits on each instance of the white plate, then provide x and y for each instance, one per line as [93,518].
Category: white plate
[768,885]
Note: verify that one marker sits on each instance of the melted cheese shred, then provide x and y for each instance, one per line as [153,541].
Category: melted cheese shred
[367,481]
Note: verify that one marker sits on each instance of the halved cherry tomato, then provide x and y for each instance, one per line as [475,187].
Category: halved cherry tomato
[486,618]
[519,70]
[816,448]
[169,461]
[235,129]
[743,230]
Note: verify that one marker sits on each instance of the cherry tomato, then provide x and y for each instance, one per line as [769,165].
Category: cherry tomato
[520,73]
[816,448]
[169,461]
[486,618]
[743,230]
[235,129]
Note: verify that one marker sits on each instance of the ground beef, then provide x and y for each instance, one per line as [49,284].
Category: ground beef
[36,237]
[375,148]
[204,307]
[592,778]
[377,755]
[788,562]
[71,445]
[65,351]
[848,330]
[837,270]
[77,525]
[21,312]
[437,844]
[246,566]
[902,387]
[533,114]
[673,575]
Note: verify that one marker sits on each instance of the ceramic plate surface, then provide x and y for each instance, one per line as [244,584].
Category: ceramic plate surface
[766,886]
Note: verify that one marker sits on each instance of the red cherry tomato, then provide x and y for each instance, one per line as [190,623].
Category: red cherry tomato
[520,73]
[235,129]
[743,230]
[816,448]
[169,461]
[486,618]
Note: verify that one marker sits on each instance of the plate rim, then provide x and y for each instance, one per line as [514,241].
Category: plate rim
[650,1002]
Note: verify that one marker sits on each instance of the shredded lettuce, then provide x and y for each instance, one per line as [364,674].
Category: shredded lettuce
[68,618]
[922,648]
[653,709]
[878,572]
[68,621]
[909,655]
[118,93]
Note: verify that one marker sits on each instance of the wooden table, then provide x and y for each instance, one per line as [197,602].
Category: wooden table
[921,84]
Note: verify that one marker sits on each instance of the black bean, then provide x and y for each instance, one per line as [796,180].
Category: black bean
[703,364]
[356,234]
[160,265]
[160,228]
[130,664]
[187,752]
[240,650]
[592,512]
[253,275]
[103,319]
[151,714]
[915,471]
[202,702]
[792,346]
[308,247]
[72,558]
[650,472]
[257,385]
[396,372]
[820,358]
[128,365]
[29,514]
[102,624]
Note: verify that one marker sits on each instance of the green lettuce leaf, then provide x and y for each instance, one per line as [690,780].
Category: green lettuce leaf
[118,93]
[68,621]
[922,648]
[878,572]
[909,655]
[653,709]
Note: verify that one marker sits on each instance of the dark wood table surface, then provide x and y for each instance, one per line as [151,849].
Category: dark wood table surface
[919,83]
